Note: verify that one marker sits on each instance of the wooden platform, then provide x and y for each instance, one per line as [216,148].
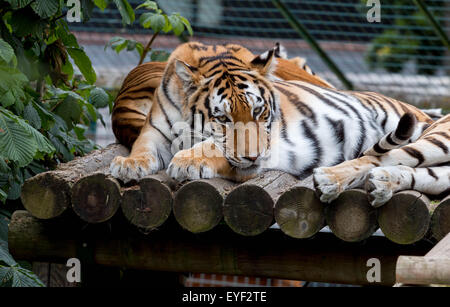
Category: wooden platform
[218,226]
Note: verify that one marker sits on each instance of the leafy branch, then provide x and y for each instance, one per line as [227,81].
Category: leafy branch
[156,20]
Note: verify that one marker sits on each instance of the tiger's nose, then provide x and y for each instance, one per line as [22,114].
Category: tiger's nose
[253,159]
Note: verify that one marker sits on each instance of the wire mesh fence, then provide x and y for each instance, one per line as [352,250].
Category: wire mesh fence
[400,56]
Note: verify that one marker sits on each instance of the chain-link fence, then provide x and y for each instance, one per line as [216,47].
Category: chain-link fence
[400,56]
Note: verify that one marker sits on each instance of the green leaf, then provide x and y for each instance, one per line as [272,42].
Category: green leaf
[150,5]
[187,24]
[84,64]
[177,24]
[101,4]
[99,98]
[126,11]
[6,51]
[69,110]
[18,4]
[32,116]
[45,8]
[156,21]
[19,277]
[25,22]
[16,143]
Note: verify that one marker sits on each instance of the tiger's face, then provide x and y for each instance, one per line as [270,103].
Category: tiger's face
[237,105]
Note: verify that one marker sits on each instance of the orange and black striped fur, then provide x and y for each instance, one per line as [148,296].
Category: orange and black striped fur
[227,92]
[135,97]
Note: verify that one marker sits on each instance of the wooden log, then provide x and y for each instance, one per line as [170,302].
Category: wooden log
[416,270]
[47,195]
[433,268]
[440,219]
[299,212]
[351,217]
[405,218]
[148,204]
[96,197]
[248,209]
[325,259]
[198,205]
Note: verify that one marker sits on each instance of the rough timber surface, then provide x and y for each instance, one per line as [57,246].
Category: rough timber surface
[249,209]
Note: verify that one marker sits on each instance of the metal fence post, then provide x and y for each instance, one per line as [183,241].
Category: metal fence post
[434,23]
[297,26]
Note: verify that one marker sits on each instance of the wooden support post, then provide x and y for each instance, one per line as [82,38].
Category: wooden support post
[198,205]
[433,268]
[96,197]
[48,195]
[351,217]
[248,209]
[272,254]
[299,212]
[405,218]
[148,205]
[440,220]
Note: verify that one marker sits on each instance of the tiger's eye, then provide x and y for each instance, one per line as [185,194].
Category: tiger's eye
[257,110]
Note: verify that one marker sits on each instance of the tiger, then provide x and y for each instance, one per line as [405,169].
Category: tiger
[135,97]
[415,156]
[296,126]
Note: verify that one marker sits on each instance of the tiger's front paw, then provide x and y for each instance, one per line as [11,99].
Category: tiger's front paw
[185,166]
[379,186]
[326,184]
[133,168]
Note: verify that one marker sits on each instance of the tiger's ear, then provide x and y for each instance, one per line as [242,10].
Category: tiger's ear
[186,72]
[265,63]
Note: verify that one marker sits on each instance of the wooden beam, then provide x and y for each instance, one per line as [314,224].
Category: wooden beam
[148,204]
[299,212]
[433,268]
[351,217]
[440,220]
[272,254]
[405,218]
[48,195]
[198,205]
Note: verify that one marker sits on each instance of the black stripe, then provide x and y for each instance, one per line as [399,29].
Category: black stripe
[390,140]
[317,148]
[294,99]
[127,110]
[320,96]
[379,149]
[432,173]
[413,182]
[284,134]
[415,154]
[438,144]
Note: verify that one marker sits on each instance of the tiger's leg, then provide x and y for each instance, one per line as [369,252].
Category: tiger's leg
[149,154]
[383,182]
[431,149]
[203,160]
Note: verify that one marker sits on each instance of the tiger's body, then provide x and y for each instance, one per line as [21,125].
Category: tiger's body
[298,125]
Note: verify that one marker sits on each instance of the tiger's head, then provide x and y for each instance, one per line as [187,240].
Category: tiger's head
[229,89]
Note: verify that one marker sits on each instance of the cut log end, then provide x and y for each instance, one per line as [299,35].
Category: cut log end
[440,220]
[148,205]
[351,217]
[299,213]
[248,210]
[198,206]
[405,218]
[46,195]
[96,198]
